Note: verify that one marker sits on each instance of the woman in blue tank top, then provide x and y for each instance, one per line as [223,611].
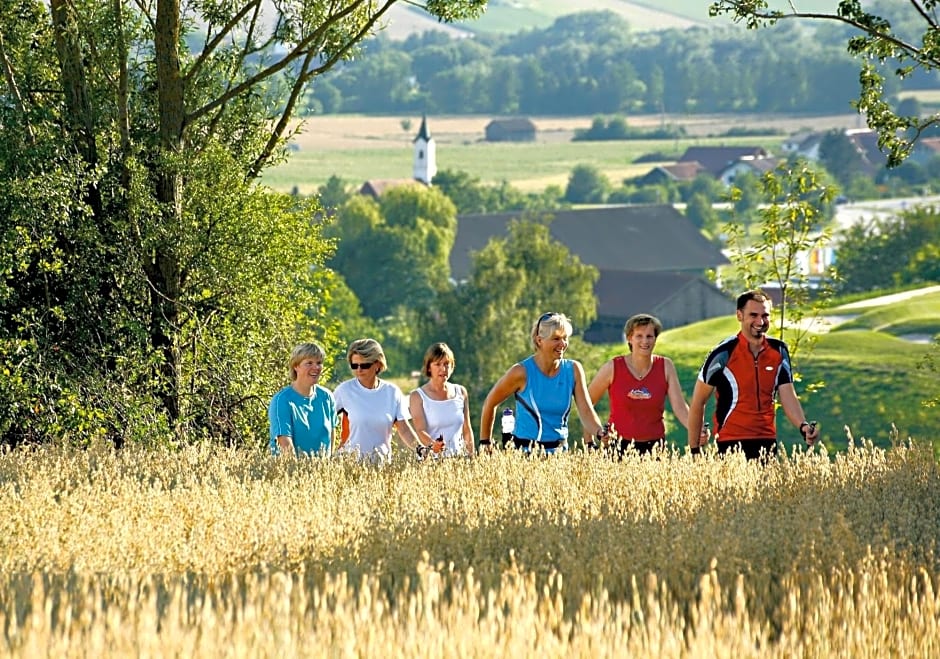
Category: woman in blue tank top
[543,385]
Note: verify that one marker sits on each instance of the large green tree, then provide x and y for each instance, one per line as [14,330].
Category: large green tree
[395,251]
[138,249]
[513,279]
[875,42]
[882,253]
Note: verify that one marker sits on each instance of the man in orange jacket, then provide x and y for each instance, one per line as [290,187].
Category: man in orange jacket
[748,373]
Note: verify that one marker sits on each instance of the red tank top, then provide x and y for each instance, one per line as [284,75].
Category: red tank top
[636,405]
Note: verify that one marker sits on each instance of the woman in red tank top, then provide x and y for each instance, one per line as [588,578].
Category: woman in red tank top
[638,385]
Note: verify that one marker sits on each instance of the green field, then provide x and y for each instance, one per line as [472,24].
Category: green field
[699,10]
[511,17]
[528,166]
[918,316]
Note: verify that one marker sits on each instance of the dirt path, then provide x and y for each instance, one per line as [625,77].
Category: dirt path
[889,299]
[847,312]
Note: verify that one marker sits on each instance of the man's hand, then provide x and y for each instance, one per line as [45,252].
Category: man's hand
[810,432]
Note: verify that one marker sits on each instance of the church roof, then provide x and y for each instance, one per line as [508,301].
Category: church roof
[423,133]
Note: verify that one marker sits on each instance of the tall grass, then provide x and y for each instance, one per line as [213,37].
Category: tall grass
[206,552]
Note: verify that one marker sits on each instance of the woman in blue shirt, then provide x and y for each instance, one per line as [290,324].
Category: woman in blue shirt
[543,385]
[302,416]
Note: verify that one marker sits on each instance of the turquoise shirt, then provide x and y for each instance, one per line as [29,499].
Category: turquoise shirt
[542,407]
[308,421]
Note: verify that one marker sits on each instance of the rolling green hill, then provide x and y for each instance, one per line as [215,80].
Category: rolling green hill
[511,16]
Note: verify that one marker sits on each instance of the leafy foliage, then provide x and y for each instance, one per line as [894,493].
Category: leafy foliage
[513,280]
[470,195]
[395,251]
[789,229]
[587,185]
[591,63]
[873,41]
[880,253]
[149,285]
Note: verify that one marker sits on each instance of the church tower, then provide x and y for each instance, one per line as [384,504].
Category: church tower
[425,158]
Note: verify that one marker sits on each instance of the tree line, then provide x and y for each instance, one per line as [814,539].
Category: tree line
[591,63]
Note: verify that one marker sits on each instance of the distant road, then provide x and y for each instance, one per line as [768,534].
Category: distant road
[849,214]
[888,299]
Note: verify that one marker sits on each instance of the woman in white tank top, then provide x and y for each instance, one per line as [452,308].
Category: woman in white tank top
[440,409]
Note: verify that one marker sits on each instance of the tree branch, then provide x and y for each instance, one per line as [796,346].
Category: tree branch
[908,50]
[10,76]
[301,50]
[919,7]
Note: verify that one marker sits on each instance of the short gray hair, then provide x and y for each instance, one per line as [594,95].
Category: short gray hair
[547,323]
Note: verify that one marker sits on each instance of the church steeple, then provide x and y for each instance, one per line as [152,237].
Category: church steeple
[425,162]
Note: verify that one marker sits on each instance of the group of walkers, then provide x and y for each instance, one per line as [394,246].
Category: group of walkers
[746,373]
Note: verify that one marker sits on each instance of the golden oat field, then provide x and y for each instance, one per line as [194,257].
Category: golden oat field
[208,552]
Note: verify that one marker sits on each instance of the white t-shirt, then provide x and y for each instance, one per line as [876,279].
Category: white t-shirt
[372,414]
[444,418]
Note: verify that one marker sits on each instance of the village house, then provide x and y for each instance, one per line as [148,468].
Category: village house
[715,159]
[679,172]
[510,130]
[651,259]
[746,165]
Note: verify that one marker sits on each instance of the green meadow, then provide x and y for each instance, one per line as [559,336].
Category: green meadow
[529,166]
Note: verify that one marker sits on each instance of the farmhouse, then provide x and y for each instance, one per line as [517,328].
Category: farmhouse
[865,142]
[651,259]
[716,158]
[925,149]
[675,298]
[746,165]
[676,173]
[510,130]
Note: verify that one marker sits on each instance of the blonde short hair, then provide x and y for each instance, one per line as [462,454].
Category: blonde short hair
[368,349]
[301,352]
[640,320]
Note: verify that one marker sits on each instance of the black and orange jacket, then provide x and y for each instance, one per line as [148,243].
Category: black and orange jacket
[746,387]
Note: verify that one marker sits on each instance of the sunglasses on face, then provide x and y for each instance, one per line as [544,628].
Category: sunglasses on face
[361,366]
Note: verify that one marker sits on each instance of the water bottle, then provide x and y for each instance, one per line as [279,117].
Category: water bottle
[508,423]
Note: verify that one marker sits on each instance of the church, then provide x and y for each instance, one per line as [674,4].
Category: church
[425,165]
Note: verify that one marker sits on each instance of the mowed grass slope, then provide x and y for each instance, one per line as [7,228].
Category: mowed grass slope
[917,316]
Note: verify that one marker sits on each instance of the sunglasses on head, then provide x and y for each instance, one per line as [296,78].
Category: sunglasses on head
[361,366]
[543,318]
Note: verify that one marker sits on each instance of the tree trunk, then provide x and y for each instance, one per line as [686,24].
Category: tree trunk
[79,116]
[163,269]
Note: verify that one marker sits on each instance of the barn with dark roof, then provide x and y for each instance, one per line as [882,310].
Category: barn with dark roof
[651,259]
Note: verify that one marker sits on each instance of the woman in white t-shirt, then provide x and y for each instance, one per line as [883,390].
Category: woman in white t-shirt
[372,407]
[441,409]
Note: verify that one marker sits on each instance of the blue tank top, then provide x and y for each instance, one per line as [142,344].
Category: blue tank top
[543,405]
